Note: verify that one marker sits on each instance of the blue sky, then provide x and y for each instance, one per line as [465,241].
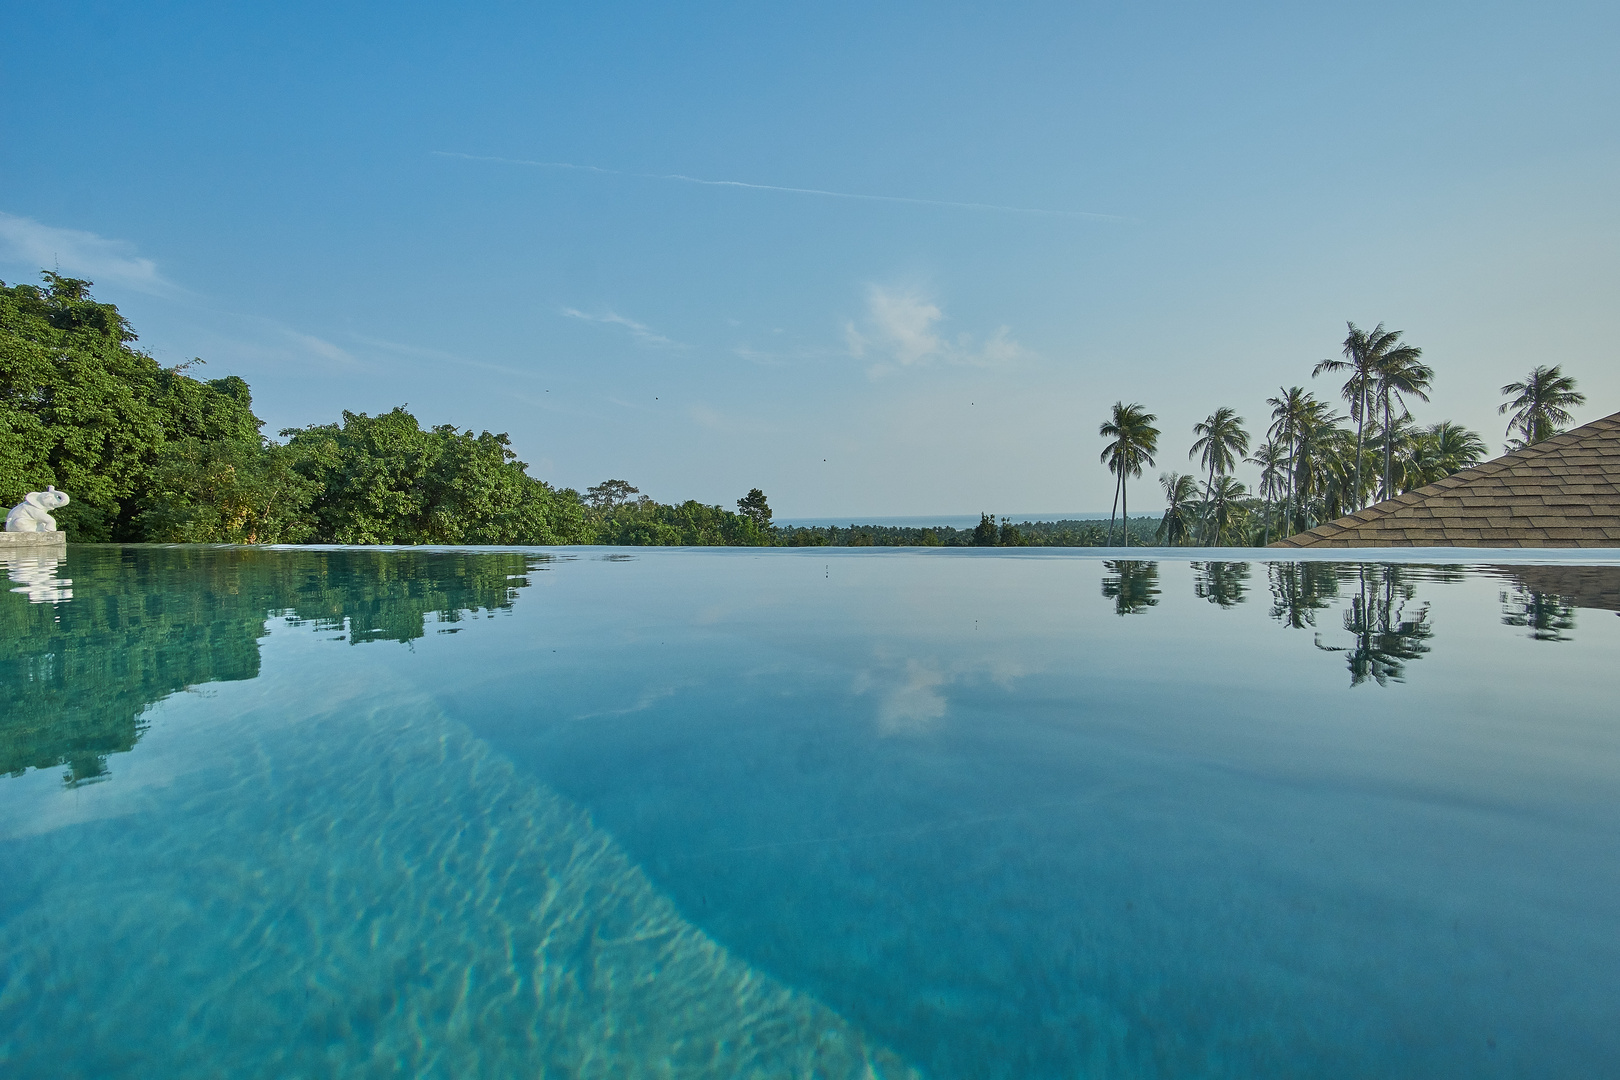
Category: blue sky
[1176,205]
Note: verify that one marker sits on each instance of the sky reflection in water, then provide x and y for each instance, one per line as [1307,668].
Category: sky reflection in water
[973,814]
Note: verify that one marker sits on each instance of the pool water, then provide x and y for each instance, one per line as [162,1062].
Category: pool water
[678,813]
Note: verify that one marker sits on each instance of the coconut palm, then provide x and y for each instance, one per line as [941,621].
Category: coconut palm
[1401,373]
[1364,351]
[1272,461]
[1286,412]
[1442,449]
[1223,508]
[1541,406]
[1316,429]
[1181,495]
[1136,440]
[1222,442]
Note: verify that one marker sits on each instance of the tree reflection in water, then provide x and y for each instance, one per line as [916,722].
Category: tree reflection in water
[1546,615]
[80,671]
[1300,589]
[1223,583]
[1387,634]
[1131,584]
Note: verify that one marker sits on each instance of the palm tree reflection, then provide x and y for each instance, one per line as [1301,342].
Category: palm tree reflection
[1388,625]
[1223,583]
[1131,585]
[1299,590]
[1546,615]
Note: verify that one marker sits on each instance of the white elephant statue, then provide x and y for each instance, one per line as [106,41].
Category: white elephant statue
[33,514]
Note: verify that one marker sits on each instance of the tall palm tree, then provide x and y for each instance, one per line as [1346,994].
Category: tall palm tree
[1136,440]
[1316,428]
[1401,374]
[1542,405]
[1287,411]
[1364,351]
[1270,458]
[1181,495]
[1222,443]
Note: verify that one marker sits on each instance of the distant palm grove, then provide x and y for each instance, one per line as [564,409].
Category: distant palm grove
[155,454]
[1317,464]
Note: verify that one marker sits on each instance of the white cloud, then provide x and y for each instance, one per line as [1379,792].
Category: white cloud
[901,328]
[76,252]
[640,331]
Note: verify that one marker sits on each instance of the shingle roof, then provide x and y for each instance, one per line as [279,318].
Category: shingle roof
[1562,492]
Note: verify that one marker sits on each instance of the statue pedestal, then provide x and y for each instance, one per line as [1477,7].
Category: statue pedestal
[11,542]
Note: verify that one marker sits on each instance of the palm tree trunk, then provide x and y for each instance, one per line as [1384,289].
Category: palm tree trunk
[1361,423]
[1388,444]
[1110,541]
[1124,513]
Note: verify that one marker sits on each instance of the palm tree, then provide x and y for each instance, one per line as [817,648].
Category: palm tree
[1288,414]
[1223,507]
[1401,373]
[1442,449]
[1181,493]
[1270,458]
[1136,440]
[1365,351]
[1542,405]
[1316,428]
[1222,442]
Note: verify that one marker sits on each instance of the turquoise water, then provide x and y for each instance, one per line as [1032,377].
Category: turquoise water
[805,813]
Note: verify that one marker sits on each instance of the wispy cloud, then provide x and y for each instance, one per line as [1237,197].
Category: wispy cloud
[75,251]
[640,331]
[679,178]
[901,328]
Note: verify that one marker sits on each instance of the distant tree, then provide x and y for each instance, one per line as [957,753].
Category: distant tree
[1135,441]
[609,494]
[1541,405]
[1222,442]
[1009,535]
[1224,513]
[985,532]
[754,507]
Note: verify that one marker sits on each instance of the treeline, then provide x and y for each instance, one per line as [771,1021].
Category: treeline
[988,533]
[155,454]
[158,455]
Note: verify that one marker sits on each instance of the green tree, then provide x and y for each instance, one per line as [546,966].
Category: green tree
[81,408]
[1135,441]
[385,480]
[609,494]
[754,507]
[1222,442]
[985,532]
[1540,405]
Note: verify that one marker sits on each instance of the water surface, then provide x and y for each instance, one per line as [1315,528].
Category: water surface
[691,813]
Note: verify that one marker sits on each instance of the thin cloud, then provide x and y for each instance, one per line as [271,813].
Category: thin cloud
[819,192]
[640,331]
[77,252]
[900,329]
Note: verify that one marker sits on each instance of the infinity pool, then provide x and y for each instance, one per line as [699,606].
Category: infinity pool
[674,813]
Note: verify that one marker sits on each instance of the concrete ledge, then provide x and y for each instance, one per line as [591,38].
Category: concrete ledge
[11,541]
